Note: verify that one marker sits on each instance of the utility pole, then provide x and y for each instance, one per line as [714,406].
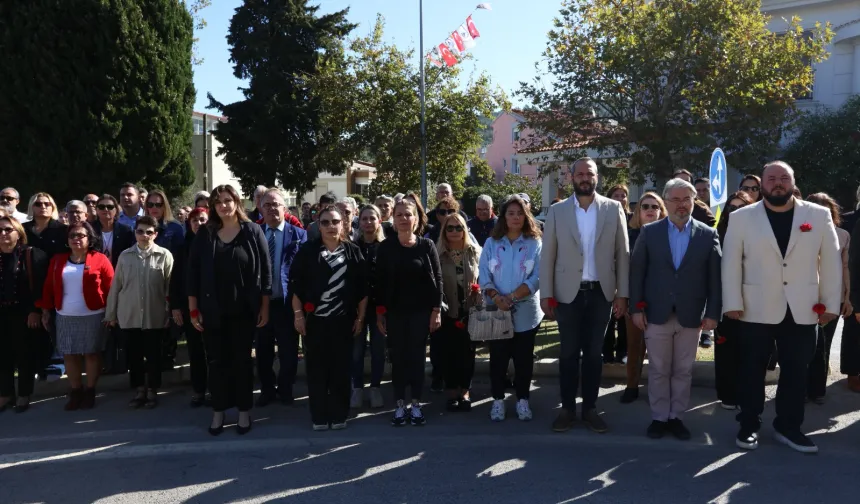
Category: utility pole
[421,94]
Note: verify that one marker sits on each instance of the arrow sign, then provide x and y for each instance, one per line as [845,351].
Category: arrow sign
[718,174]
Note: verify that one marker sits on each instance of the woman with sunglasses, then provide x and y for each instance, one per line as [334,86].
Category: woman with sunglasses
[44,229]
[649,209]
[328,281]
[229,285]
[171,234]
[77,286]
[137,302]
[22,274]
[444,207]
[726,350]
[115,236]
[751,185]
[197,218]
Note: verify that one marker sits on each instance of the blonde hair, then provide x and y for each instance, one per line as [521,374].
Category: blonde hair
[54,214]
[22,235]
[380,234]
[442,244]
[635,221]
[168,213]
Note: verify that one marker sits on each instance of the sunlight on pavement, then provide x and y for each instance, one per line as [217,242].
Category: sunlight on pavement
[312,456]
[604,478]
[501,468]
[183,494]
[719,463]
[725,497]
[839,423]
[21,458]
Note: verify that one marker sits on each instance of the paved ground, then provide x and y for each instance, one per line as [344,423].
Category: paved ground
[114,455]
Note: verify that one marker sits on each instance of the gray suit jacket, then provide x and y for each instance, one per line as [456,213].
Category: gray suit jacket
[687,291]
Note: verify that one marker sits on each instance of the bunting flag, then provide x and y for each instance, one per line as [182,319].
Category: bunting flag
[435,59]
[473,31]
[461,46]
[485,6]
[446,55]
[452,46]
[464,35]
[461,40]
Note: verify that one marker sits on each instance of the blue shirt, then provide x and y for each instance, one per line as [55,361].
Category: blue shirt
[679,240]
[279,250]
[504,266]
[130,220]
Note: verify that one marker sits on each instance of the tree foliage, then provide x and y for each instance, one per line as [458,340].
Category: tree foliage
[482,172]
[95,93]
[511,184]
[276,133]
[194,8]
[371,95]
[826,152]
[674,78]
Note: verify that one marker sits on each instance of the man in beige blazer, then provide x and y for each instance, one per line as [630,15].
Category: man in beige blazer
[782,275]
[583,279]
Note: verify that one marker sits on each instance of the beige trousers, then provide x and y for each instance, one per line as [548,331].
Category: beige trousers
[671,354]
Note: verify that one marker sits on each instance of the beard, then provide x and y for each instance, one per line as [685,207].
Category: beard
[778,199]
[584,189]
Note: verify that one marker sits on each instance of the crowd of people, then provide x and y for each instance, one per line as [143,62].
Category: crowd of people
[112,289]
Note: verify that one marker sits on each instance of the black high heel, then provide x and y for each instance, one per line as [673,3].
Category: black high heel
[244,430]
[216,431]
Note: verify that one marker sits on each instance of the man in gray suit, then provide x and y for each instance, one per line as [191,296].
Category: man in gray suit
[583,282]
[675,293]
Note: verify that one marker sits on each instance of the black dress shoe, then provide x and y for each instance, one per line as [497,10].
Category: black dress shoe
[265,399]
[629,395]
[677,428]
[216,431]
[464,405]
[244,430]
[656,429]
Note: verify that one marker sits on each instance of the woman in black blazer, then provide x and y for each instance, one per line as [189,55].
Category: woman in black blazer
[229,284]
[328,281]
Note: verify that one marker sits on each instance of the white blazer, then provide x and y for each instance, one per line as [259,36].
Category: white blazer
[760,282]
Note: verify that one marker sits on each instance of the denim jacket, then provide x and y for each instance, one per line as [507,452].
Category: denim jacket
[505,266]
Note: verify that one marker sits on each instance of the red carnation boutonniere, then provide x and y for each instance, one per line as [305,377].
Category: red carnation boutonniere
[819,309]
[641,305]
[475,287]
[459,324]
[380,310]
[309,307]
[805,227]
[553,303]
[721,340]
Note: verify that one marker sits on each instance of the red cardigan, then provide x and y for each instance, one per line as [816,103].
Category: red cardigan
[98,276]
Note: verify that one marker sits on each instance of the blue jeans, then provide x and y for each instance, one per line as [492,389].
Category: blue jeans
[377,355]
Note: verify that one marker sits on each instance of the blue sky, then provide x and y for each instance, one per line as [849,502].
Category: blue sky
[513,35]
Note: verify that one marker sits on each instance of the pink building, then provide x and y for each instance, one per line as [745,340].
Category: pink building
[501,153]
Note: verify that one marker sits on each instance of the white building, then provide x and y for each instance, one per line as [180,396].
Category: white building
[355,180]
[210,170]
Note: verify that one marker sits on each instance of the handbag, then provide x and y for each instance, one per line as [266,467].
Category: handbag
[490,324]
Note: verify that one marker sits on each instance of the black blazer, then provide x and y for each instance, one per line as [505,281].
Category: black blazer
[28,294]
[123,239]
[179,276]
[52,240]
[309,275]
[256,282]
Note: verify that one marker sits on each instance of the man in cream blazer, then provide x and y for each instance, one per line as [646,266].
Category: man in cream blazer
[583,280]
[782,275]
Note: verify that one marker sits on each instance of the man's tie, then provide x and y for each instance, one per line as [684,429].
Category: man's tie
[271,240]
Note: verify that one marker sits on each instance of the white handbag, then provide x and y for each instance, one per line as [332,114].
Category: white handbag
[488,324]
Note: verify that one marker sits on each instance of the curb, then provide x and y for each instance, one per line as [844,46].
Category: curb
[703,374]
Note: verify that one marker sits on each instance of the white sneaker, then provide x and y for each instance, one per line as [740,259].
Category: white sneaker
[376,400]
[357,398]
[320,427]
[338,426]
[497,413]
[727,406]
[523,411]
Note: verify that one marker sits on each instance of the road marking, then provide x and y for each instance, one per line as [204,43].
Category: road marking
[719,463]
[501,468]
[183,494]
[604,478]
[725,497]
[312,456]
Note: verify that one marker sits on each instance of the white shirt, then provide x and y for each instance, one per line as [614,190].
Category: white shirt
[107,240]
[74,304]
[586,221]
[20,217]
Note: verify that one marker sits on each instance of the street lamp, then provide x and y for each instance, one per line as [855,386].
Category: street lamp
[421,94]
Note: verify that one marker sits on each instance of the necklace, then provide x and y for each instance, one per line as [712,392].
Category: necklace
[77,261]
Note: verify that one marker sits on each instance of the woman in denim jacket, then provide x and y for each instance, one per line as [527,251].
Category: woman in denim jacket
[509,272]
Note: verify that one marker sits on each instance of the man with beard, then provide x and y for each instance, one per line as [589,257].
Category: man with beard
[782,275]
[583,282]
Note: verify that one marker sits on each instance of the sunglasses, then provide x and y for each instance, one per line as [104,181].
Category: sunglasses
[327,222]
[147,232]
[6,230]
[648,206]
[150,204]
[454,229]
[8,199]
[442,211]
[91,202]
[106,207]
[42,204]
[751,188]
[77,236]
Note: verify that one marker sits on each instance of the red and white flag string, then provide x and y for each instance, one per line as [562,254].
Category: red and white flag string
[461,40]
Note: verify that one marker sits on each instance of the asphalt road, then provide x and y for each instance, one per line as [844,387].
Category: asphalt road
[114,455]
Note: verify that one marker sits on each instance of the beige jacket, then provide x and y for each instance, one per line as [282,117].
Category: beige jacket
[138,295]
[760,282]
[562,255]
[449,281]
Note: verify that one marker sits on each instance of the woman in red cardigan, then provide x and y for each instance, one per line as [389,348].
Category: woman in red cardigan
[77,287]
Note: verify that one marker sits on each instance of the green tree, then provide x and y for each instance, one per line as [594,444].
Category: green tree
[826,152]
[481,174]
[276,133]
[371,95]
[511,184]
[666,81]
[95,93]
[194,8]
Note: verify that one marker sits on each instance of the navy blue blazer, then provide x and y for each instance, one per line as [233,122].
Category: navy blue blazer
[294,237]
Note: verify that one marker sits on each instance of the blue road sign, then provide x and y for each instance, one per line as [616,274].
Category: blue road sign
[717,175]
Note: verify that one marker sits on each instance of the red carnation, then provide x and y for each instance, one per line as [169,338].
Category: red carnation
[459,324]
[819,308]
[475,287]
[553,303]
[721,340]
[641,305]
[380,310]
[805,227]
[309,307]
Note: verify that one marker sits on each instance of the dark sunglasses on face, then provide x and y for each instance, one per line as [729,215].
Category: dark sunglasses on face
[647,206]
[9,199]
[77,236]
[750,188]
[150,204]
[91,202]
[443,211]
[6,230]
[332,222]
[42,204]
[454,229]
[147,232]
[106,207]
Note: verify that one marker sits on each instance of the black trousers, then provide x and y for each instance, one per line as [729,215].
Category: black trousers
[850,351]
[407,333]
[231,368]
[521,349]
[281,331]
[458,355]
[796,346]
[17,351]
[169,342]
[328,359]
[727,360]
[115,354]
[196,356]
[615,349]
[144,356]
[816,384]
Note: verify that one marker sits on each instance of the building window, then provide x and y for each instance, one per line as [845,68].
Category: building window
[515,166]
[197,123]
[515,133]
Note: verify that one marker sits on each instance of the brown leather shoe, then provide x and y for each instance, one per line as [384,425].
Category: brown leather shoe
[594,421]
[75,397]
[88,400]
[564,421]
[854,383]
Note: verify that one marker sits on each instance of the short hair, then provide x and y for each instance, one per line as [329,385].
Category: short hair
[75,203]
[702,180]
[199,195]
[584,159]
[328,198]
[22,235]
[384,197]
[486,199]
[530,227]
[54,215]
[274,190]
[260,190]
[445,185]
[682,172]
[399,196]
[677,183]
[168,213]
[781,164]
[197,211]
[93,242]
[380,233]
[350,202]
[17,194]
[450,202]
[146,220]
[635,221]
[129,185]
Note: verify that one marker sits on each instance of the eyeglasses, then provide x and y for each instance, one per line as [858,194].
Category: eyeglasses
[750,188]
[147,232]
[8,199]
[454,229]
[332,222]
[268,206]
[647,206]
[152,204]
[77,236]
[77,212]
[445,211]
[678,201]
[106,207]
[91,202]
[6,230]
[42,204]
